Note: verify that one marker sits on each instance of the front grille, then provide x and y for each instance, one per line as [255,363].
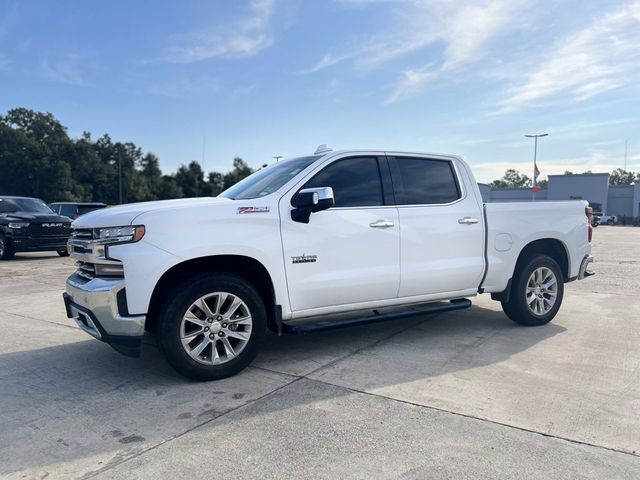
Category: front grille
[86,270]
[48,229]
[81,234]
[80,240]
[90,256]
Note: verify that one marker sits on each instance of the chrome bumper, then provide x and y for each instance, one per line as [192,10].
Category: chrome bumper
[583,272]
[94,307]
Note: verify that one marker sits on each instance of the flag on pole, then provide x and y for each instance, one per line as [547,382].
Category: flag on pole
[536,174]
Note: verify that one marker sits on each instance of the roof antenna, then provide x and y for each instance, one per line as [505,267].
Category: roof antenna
[322,149]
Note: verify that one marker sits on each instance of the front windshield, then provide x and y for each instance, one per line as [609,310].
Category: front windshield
[269,179]
[30,205]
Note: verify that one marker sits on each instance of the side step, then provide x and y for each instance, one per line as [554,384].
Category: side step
[327,322]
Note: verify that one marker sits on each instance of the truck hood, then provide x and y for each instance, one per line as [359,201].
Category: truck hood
[34,217]
[126,214]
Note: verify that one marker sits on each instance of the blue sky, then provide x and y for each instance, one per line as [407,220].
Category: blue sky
[259,78]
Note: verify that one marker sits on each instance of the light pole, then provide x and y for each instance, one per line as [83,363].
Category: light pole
[120,175]
[535,166]
[277,157]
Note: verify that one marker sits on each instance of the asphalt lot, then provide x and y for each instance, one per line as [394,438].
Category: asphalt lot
[456,395]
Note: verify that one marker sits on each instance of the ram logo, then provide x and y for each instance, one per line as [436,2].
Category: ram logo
[52,224]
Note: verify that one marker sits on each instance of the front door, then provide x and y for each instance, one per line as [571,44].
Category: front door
[349,253]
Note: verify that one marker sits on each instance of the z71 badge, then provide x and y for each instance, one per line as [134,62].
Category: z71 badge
[304,259]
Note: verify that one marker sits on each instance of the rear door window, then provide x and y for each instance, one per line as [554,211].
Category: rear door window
[425,181]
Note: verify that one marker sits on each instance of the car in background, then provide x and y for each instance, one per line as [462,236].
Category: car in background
[604,219]
[29,225]
[74,209]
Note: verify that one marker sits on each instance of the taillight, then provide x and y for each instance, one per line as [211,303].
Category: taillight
[589,213]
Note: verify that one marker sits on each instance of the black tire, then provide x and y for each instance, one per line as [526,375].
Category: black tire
[63,253]
[609,222]
[517,308]
[6,251]
[180,300]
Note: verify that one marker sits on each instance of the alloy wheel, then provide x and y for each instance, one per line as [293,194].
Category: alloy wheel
[216,328]
[541,291]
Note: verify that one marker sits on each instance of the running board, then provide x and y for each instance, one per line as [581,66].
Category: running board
[327,322]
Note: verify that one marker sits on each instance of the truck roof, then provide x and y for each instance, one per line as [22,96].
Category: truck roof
[78,203]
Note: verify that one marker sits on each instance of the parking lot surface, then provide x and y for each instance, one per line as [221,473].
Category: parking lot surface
[465,394]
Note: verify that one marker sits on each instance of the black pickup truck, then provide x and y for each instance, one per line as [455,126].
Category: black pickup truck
[29,225]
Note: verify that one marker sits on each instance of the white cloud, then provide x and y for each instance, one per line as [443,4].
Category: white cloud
[185,87]
[462,31]
[411,83]
[242,39]
[69,69]
[5,63]
[603,56]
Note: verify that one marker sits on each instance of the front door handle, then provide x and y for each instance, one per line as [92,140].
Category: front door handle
[467,221]
[381,224]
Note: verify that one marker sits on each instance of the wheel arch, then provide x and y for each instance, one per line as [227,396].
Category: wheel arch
[552,247]
[248,268]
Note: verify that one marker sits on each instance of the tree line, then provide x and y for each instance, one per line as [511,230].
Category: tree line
[39,159]
[514,179]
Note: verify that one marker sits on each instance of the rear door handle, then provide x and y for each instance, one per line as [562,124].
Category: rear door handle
[467,221]
[381,224]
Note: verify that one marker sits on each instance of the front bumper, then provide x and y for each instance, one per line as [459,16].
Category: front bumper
[38,244]
[99,308]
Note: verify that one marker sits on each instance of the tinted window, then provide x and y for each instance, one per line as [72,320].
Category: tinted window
[82,209]
[427,181]
[68,210]
[355,182]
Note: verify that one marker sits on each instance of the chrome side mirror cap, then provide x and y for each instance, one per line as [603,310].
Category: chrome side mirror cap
[311,200]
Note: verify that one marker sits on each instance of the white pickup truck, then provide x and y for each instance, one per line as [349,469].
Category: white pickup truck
[331,239]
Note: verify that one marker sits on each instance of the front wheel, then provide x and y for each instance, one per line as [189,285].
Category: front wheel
[536,292]
[63,253]
[212,326]
[6,251]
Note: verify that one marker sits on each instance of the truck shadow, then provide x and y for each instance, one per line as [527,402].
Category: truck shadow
[85,403]
[28,257]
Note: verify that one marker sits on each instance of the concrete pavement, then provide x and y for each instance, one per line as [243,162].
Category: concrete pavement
[465,394]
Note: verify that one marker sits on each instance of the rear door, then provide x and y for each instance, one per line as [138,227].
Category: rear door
[349,253]
[442,236]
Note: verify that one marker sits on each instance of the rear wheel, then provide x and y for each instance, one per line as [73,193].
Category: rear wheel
[212,326]
[536,291]
[63,253]
[6,251]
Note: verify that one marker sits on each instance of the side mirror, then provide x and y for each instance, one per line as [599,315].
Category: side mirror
[311,200]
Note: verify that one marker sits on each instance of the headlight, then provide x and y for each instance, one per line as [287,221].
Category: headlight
[18,224]
[120,234]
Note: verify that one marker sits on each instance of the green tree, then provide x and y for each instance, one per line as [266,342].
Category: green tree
[38,158]
[240,170]
[512,179]
[32,156]
[621,176]
[190,179]
[151,175]
[216,183]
